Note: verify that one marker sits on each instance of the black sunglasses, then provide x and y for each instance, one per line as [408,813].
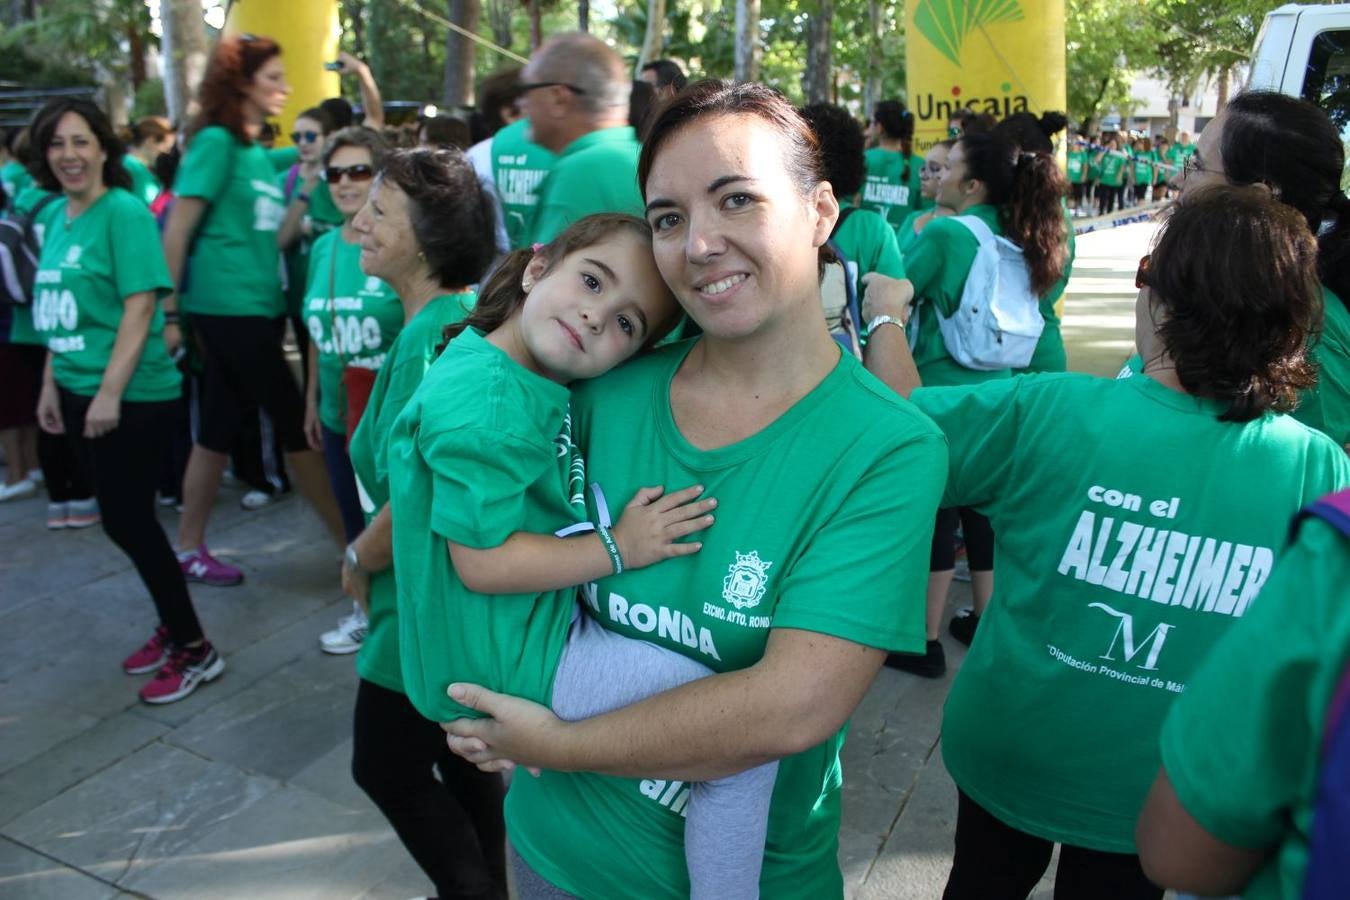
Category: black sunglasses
[307,137]
[360,172]
[531,85]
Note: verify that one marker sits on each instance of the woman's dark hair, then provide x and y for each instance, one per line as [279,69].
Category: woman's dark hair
[320,115]
[1291,145]
[973,122]
[166,166]
[17,143]
[841,146]
[641,102]
[1235,274]
[1032,134]
[446,131]
[1028,189]
[338,111]
[150,128]
[498,91]
[503,294]
[452,221]
[898,124]
[44,128]
[358,136]
[229,72]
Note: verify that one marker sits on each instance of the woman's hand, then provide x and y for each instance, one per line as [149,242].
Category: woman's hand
[886,296]
[49,409]
[653,521]
[356,584]
[103,415]
[313,434]
[173,339]
[518,731]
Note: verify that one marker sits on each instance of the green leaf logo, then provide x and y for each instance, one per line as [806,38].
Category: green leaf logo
[947,23]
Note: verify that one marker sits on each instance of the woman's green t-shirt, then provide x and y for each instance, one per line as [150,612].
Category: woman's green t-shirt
[887,189]
[868,243]
[1113,168]
[406,364]
[1077,166]
[323,217]
[352,319]
[1143,166]
[1256,710]
[21,330]
[482,450]
[1326,406]
[14,178]
[88,267]
[1050,355]
[144,184]
[1120,567]
[824,524]
[233,267]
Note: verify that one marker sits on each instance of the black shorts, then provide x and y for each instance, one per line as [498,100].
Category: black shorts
[246,369]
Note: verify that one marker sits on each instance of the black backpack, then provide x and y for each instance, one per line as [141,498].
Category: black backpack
[19,250]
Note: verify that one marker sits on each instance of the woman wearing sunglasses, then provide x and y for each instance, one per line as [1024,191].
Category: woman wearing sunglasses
[310,213]
[352,320]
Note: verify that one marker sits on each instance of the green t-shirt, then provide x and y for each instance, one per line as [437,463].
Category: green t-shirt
[1326,406]
[481,451]
[938,265]
[905,236]
[144,184]
[868,243]
[21,330]
[88,267]
[886,189]
[14,178]
[323,217]
[1143,166]
[352,319]
[1077,166]
[1113,168]
[233,266]
[1118,570]
[596,173]
[519,165]
[1242,746]
[824,524]
[406,364]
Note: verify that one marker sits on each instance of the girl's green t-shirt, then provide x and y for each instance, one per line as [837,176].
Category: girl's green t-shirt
[407,362]
[323,217]
[824,524]
[1258,708]
[482,450]
[1120,567]
[144,184]
[21,330]
[88,267]
[868,243]
[1113,168]
[1077,161]
[1143,166]
[233,267]
[887,189]
[352,318]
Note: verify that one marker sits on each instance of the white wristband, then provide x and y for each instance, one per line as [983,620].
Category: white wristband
[884,320]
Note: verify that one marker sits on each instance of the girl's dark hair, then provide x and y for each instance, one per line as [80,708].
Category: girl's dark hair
[898,124]
[1028,189]
[44,128]
[358,136]
[841,146]
[1032,134]
[447,131]
[503,294]
[318,114]
[229,72]
[150,128]
[1235,272]
[452,221]
[1291,145]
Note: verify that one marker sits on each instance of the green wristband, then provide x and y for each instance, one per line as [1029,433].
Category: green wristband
[611,547]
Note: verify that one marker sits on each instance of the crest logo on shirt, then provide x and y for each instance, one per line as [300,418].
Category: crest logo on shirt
[73,255]
[372,285]
[747,578]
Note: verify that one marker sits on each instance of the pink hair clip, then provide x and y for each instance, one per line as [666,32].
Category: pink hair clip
[536,247]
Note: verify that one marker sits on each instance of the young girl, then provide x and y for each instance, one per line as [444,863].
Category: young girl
[483,453]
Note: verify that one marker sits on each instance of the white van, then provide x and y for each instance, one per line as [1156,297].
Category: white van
[1304,51]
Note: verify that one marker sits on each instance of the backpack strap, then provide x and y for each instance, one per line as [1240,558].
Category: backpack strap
[292,177]
[1334,509]
[978,227]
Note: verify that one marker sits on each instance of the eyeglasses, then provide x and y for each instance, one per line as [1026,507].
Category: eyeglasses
[359,172]
[1192,166]
[1141,276]
[305,137]
[531,85]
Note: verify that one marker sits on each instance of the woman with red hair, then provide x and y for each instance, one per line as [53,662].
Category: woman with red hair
[221,245]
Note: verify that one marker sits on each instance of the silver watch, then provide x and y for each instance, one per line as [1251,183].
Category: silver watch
[884,320]
[351,560]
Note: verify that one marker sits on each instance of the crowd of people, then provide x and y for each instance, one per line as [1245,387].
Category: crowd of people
[635,413]
[1112,170]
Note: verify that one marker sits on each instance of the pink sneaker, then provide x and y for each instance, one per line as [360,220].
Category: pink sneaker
[203,568]
[185,670]
[151,656]
[82,513]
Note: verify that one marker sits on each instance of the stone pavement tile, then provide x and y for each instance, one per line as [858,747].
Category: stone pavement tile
[330,776]
[33,876]
[59,768]
[150,806]
[290,844]
[32,727]
[279,725]
[36,563]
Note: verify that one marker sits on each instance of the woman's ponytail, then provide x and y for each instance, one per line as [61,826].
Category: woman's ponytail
[1033,218]
[1333,248]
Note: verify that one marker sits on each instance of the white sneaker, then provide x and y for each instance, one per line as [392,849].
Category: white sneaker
[20,489]
[258,499]
[347,637]
[35,476]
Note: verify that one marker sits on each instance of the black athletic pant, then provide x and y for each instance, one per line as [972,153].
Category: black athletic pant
[978,534]
[125,466]
[995,861]
[453,827]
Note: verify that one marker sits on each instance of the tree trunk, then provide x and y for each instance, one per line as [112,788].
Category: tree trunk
[499,19]
[872,81]
[747,40]
[136,54]
[183,47]
[536,25]
[819,43]
[583,15]
[358,27]
[1223,89]
[457,88]
[654,40]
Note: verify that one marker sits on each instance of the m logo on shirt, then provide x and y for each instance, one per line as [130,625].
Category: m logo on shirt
[372,285]
[73,255]
[746,581]
[1124,636]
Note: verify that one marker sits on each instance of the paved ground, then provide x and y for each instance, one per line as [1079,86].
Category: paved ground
[242,790]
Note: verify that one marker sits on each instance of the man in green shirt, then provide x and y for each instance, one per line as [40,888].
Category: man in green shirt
[575,95]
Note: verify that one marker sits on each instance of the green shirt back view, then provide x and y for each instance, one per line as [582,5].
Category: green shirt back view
[88,267]
[144,184]
[519,166]
[595,173]
[21,330]
[891,187]
[232,269]
[1118,572]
